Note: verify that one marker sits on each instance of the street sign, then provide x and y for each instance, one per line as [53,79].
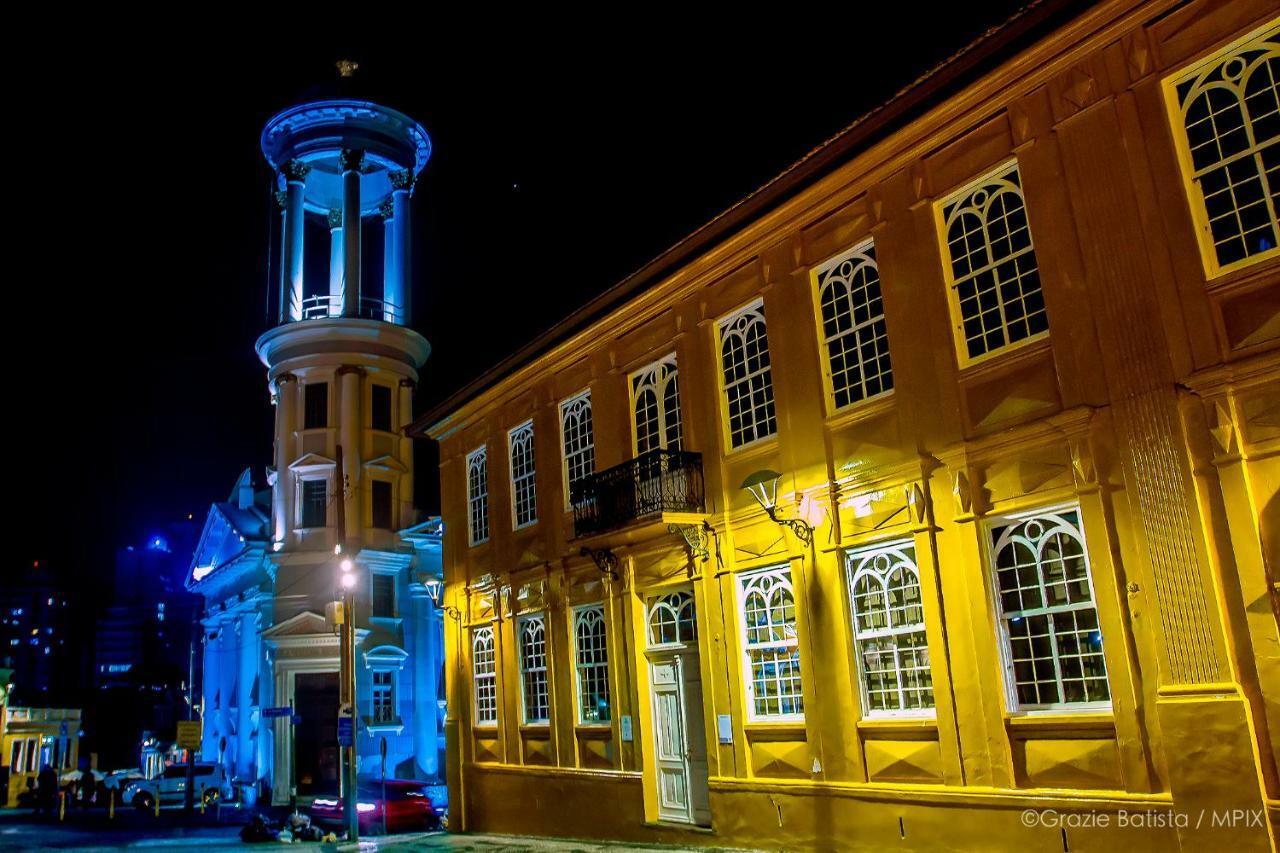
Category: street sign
[281,711]
[346,731]
[189,734]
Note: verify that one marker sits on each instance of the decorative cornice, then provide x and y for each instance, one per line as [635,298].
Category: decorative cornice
[401,180]
[335,218]
[295,171]
[351,160]
[350,368]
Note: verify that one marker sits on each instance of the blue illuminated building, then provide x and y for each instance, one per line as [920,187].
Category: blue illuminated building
[342,366]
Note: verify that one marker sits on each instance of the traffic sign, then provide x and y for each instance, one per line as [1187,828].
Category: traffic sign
[280,711]
[189,734]
[346,731]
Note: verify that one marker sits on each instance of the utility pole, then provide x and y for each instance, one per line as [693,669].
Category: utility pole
[347,657]
[189,802]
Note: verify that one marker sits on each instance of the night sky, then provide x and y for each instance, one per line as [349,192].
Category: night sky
[561,163]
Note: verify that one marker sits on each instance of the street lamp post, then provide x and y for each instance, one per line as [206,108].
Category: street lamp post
[347,658]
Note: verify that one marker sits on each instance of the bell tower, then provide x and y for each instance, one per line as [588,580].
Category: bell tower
[341,360]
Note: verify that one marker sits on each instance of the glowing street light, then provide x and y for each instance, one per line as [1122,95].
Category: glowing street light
[763,486]
[349,580]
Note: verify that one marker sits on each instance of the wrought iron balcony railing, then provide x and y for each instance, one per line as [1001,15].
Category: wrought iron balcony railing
[653,483]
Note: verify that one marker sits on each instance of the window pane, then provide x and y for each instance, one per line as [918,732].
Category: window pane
[384,595]
[315,500]
[853,326]
[380,493]
[315,405]
[889,631]
[478,495]
[579,441]
[768,613]
[533,670]
[484,672]
[1230,114]
[1048,616]
[523,486]
[993,263]
[380,406]
[592,660]
[748,381]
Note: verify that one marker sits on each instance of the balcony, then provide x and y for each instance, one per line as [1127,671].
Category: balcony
[644,488]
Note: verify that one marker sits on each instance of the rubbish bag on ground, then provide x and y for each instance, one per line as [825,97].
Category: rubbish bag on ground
[258,829]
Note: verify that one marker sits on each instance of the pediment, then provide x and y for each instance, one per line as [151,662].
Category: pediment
[387,463]
[310,462]
[305,624]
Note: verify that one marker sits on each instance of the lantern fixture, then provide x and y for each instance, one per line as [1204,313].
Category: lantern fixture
[763,486]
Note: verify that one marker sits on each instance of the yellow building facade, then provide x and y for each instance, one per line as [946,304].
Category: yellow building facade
[929,499]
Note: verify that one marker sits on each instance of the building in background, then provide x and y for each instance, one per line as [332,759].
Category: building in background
[36,621]
[925,496]
[341,367]
[143,647]
[34,737]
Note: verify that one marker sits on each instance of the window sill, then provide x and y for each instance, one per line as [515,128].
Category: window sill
[1066,724]
[779,729]
[1005,359]
[898,723]
[599,730]
[540,728]
[395,727]
[862,410]
[758,447]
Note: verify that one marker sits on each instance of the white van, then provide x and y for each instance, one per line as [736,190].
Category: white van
[170,787]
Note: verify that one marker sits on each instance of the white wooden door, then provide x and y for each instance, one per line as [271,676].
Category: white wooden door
[696,738]
[671,746]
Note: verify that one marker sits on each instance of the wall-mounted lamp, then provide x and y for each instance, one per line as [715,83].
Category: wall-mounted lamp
[763,486]
[606,561]
[697,536]
[435,589]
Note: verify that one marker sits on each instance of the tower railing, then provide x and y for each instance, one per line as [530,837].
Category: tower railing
[326,305]
[644,487]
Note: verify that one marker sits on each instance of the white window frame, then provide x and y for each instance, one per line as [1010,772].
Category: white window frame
[857,272]
[320,473]
[484,673]
[390,690]
[523,482]
[765,582]
[591,664]
[478,495]
[582,455]
[661,378]
[1204,76]
[682,609]
[976,198]
[533,665]
[759,380]
[993,547]
[879,562]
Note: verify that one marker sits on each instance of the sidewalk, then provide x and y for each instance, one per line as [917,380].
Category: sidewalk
[465,843]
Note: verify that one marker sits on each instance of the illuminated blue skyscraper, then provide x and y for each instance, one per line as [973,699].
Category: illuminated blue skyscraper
[342,365]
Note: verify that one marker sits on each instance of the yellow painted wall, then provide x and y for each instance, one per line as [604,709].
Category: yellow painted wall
[1153,405]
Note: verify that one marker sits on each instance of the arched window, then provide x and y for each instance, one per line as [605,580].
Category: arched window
[655,406]
[748,380]
[484,673]
[478,495]
[591,651]
[672,620]
[888,629]
[853,328]
[1047,614]
[768,609]
[524,504]
[1229,108]
[533,669]
[578,441]
[995,282]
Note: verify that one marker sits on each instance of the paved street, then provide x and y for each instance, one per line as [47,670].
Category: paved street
[132,830]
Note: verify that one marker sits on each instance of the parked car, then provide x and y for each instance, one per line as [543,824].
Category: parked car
[170,787]
[408,808]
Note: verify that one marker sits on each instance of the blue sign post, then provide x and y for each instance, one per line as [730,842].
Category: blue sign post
[346,731]
[281,711]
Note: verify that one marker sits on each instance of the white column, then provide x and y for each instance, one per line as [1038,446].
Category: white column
[424,665]
[399,290]
[390,302]
[349,432]
[282,500]
[208,686]
[335,263]
[404,414]
[352,161]
[295,173]
[247,666]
